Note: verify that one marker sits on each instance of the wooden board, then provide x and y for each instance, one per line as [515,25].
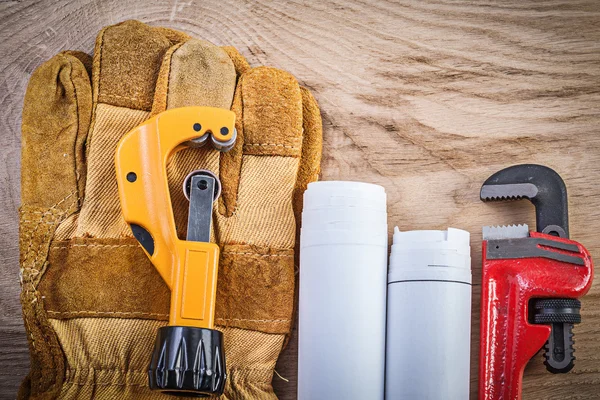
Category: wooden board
[425,98]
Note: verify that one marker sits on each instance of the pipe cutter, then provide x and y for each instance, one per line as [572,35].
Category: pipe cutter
[531,283]
[188,356]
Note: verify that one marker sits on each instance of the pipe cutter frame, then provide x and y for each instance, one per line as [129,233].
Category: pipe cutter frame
[188,355]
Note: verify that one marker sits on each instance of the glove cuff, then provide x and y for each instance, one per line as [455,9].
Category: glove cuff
[109,358]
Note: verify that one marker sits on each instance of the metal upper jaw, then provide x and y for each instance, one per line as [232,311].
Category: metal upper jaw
[540,185]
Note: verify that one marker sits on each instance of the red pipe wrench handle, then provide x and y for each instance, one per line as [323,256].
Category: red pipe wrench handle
[508,338]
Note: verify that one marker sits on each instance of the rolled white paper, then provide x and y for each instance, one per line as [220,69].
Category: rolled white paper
[343,266]
[429,316]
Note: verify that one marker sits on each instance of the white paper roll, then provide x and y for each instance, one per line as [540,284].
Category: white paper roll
[344,195]
[429,316]
[363,217]
[341,345]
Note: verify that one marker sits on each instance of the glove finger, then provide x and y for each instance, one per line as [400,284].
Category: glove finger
[126,63]
[56,118]
[272,113]
[184,163]
[256,279]
[195,73]
[274,174]
[127,58]
[271,125]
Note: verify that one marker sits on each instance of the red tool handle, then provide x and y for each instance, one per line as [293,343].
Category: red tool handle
[508,339]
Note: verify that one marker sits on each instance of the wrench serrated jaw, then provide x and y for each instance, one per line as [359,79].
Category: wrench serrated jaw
[512,191]
[505,232]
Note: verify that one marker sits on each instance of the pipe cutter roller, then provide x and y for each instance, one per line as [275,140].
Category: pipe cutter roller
[188,357]
[531,283]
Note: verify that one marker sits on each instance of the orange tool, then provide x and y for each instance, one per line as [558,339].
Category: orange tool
[188,355]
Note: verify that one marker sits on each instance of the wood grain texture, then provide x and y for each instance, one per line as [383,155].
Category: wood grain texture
[425,98]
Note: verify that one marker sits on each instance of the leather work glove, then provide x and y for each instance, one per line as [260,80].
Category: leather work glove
[92,301]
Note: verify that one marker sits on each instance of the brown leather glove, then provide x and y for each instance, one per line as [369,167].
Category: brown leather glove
[92,301]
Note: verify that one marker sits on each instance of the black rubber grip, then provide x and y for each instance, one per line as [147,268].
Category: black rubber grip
[188,361]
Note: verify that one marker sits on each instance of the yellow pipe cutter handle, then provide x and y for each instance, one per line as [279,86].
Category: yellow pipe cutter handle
[188,268]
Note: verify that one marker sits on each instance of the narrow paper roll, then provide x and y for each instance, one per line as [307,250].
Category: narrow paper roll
[429,316]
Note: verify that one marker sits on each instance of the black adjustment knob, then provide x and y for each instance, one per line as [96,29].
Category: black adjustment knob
[188,361]
[560,314]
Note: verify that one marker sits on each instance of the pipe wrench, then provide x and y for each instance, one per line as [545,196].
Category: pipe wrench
[188,355]
[531,283]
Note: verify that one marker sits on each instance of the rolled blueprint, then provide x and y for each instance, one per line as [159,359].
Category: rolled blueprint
[429,316]
[343,266]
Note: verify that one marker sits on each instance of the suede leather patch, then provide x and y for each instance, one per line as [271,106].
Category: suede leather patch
[272,115]
[103,278]
[127,59]
[114,278]
[201,74]
[255,289]
[56,119]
